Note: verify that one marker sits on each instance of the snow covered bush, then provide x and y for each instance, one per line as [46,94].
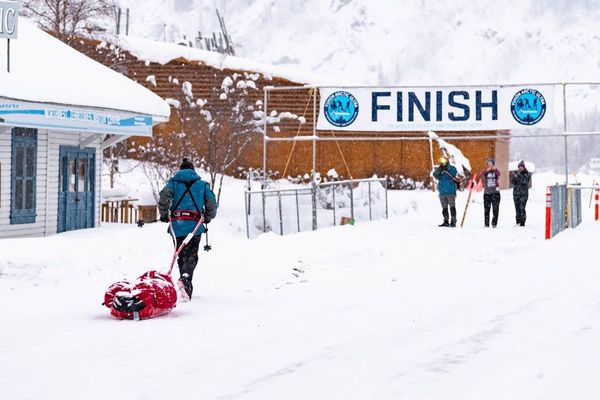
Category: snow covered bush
[401,182]
[330,195]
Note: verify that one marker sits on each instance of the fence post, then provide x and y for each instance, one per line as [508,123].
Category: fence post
[249,198]
[386,197]
[280,214]
[264,212]
[351,200]
[333,193]
[314,205]
[246,195]
[569,202]
[548,213]
[370,208]
[297,211]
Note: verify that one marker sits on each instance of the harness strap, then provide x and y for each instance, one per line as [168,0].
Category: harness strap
[188,186]
[186,215]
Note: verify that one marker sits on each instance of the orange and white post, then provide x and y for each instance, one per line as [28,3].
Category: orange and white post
[596,203]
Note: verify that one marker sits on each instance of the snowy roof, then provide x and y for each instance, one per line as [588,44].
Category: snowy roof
[44,69]
[162,53]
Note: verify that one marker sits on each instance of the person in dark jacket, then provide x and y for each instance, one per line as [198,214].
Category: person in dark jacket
[520,182]
[185,199]
[491,193]
[446,175]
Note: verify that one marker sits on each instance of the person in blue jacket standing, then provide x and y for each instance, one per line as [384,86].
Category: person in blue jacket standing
[185,199]
[446,176]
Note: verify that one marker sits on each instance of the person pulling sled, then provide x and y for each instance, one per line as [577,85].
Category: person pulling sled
[446,175]
[185,201]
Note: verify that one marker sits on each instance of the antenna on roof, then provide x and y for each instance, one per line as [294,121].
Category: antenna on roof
[228,45]
[118,21]
[219,42]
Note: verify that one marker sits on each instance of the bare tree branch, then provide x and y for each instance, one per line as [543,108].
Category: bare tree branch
[68,17]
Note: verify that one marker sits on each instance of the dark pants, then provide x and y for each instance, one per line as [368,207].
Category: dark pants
[491,200]
[520,202]
[448,201]
[188,258]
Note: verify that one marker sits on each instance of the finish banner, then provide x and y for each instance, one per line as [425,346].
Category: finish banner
[381,109]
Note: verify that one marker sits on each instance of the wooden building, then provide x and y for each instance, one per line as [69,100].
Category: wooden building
[205,70]
[58,111]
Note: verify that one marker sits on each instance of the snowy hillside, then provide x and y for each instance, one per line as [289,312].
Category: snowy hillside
[388,42]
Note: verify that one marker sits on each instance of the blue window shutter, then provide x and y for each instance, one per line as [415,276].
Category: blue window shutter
[23,176]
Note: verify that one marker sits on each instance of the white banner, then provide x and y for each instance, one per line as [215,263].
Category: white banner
[381,109]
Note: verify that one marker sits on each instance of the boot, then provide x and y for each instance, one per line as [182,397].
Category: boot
[445,214]
[452,217]
[185,287]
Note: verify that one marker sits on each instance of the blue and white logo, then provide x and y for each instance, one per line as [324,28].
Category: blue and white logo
[341,108]
[528,106]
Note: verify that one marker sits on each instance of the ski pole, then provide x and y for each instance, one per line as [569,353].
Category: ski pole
[207,247]
[462,221]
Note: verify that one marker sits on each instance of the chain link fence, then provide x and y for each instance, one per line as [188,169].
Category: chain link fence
[563,208]
[291,210]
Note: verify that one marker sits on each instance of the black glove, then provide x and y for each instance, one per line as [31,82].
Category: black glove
[207,220]
[164,218]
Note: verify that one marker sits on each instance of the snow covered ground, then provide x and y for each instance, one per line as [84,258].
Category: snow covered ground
[392,309]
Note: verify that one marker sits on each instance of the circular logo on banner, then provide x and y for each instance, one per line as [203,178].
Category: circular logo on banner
[528,106]
[341,108]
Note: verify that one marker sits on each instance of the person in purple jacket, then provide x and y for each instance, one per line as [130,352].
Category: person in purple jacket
[491,193]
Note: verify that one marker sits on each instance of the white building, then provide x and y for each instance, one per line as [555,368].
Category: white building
[58,110]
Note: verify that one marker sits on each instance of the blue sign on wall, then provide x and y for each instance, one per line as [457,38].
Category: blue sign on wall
[36,115]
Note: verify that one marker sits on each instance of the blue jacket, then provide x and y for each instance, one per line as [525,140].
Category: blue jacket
[446,183]
[175,190]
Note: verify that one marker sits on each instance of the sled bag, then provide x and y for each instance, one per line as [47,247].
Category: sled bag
[150,295]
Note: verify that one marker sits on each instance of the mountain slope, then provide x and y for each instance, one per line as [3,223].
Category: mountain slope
[397,43]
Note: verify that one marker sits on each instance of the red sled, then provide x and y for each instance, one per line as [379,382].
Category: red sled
[151,295]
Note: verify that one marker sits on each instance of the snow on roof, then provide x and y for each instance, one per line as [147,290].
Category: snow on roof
[162,53]
[44,69]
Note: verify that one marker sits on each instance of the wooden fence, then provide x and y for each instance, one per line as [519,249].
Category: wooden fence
[120,211]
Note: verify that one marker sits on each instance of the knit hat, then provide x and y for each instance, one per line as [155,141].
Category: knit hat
[491,160]
[521,164]
[186,164]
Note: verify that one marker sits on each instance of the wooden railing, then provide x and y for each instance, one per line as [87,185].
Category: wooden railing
[120,211]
